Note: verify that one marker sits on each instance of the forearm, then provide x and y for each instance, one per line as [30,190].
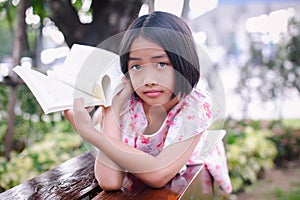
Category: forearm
[109,174]
[155,171]
[137,161]
[127,157]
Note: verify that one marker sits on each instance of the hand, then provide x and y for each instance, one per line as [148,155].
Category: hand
[98,118]
[83,123]
[69,116]
[120,98]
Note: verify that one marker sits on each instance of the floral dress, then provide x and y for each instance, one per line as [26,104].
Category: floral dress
[192,115]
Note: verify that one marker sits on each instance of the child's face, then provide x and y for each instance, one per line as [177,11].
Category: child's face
[151,72]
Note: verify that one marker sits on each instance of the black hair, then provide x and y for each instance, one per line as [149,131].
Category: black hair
[173,35]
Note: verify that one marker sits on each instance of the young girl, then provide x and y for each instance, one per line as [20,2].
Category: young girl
[157,123]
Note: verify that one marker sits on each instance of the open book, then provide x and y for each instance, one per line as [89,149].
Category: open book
[88,72]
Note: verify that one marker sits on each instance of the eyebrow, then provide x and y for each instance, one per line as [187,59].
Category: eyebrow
[153,57]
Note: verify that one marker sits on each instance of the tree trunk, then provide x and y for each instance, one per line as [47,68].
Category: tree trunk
[18,46]
[9,136]
[185,9]
[109,18]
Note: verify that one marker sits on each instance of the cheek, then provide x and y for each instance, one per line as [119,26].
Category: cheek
[169,80]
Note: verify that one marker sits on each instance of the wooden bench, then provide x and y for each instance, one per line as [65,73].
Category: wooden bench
[74,179]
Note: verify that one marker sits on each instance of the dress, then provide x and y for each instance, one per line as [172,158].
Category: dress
[191,116]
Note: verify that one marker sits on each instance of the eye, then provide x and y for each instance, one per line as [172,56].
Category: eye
[162,65]
[136,67]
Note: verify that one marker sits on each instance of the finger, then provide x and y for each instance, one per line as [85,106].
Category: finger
[97,116]
[127,89]
[79,109]
[81,116]
[78,104]
[67,112]
[127,86]
[89,108]
[69,115]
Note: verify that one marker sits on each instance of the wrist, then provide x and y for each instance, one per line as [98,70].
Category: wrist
[87,133]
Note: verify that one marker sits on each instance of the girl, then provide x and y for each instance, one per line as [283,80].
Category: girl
[157,123]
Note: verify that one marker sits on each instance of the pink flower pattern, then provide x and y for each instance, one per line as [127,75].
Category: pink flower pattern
[191,116]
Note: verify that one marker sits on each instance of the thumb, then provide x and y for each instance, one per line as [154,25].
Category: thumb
[80,113]
[127,86]
[127,89]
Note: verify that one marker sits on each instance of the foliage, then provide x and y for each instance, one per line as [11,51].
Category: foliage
[254,146]
[54,149]
[287,141]
[3,97]
[7,13]
[77,5]
[249,152]
[30,124]
[39,8]
[41,142]
[3,115]
[28,103]
[6,41]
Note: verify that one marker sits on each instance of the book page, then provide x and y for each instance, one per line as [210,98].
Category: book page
[112,81]
[51,94]
[33,80]
[83,68]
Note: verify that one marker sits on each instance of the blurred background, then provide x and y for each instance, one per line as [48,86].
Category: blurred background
[253,44]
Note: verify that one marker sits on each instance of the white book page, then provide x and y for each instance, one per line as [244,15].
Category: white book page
[112,81]
[51,94]
[84,67]
[33,80]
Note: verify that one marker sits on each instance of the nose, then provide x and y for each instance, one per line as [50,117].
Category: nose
[150,78]
[149,83]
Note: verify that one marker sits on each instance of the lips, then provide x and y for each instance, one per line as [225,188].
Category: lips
[152,93]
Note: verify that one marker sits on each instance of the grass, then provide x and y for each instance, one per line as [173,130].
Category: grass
[293,123]
[294,194]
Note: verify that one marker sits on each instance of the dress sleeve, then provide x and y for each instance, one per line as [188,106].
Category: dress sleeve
[193,117]
[216,164]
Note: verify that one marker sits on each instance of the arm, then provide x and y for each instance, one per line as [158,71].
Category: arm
[108,174]
[163,174]
[155,171]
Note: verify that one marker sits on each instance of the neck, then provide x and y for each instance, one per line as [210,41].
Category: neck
[156,115]
[165,108]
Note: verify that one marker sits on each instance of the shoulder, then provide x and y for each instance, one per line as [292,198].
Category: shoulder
[199,99]
[198,109]
[193,117]
[202,91]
